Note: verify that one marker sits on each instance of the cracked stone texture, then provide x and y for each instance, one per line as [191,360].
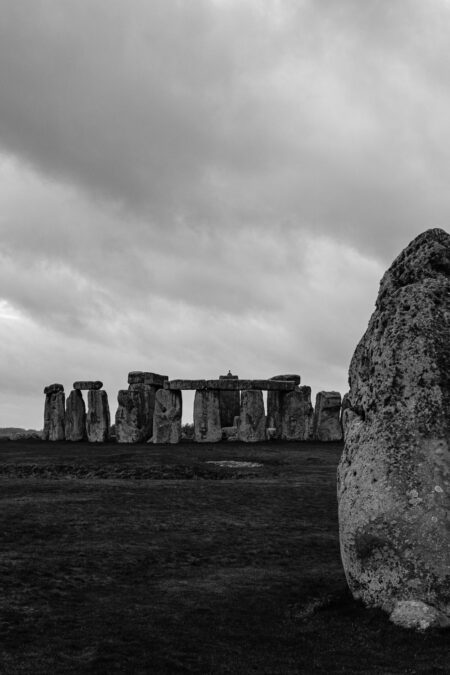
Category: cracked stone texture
[394,474]
[252,420]
[274,406]
[75,416]
[54,415]
[207,418]
[297,415]
[98,417]
[134,415]
[167,416]
[327,421]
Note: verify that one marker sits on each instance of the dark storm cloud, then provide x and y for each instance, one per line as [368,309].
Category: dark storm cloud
[318,115]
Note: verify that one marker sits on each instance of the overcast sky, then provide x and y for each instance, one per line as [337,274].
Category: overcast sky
[192,186]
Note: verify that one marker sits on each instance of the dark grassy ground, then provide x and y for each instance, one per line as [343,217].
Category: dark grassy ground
[143,559]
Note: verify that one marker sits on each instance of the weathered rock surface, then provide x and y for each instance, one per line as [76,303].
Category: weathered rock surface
[252,420]
[230,384]
[54,415]
[394,474]
[98,417]
[134,416]
[207,425]
[230,433]
[75,416]
[297,415]
[167,416]
[346,405]
[53,388]
[141,377]
[88,384]
[275,403]
[327,413]
[230,402]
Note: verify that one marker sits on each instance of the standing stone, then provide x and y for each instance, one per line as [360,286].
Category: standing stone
[54,414]
[252,420]
[167,416]
[327,425]
[97,418]
[207,418]
[134,416]
[394,474]
[274,406]
[229,402]
[75,416]
[297,415]
[53,388]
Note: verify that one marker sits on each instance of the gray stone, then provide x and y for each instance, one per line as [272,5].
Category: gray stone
[53,388]
[230,402]
[88,384]
[394,474]
[327,425]
[134,416]
[230,433]
[231,384]
[141,377]
[54,416]
[207,426]
[98,417]
[252,420]
[297,415]
[75,417]
[346,405]
[287,378]
[167,416]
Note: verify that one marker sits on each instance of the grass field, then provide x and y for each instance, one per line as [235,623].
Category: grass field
[144,559]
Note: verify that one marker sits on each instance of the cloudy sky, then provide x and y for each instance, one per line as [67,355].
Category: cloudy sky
[192,186]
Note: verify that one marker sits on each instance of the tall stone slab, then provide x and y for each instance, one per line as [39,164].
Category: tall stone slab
[167,416]
[394,474]
[252,420]
[207,416]
[75,427]
[98,417]
[134,416]
[297,415]
[274,405]
[230,402]
[54,413]
[327,424]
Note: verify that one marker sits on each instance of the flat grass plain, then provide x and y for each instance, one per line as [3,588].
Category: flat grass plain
[151,559]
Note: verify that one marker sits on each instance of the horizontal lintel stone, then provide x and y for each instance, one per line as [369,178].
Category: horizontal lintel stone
[141,377]
[88,384]
[232,385]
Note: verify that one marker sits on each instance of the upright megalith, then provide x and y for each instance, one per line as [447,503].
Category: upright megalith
[394,474]
[229,402]
[54,413]
[134,416]
[98,417]
[75,427]
[207,417]
[296,415]
[327,412]
[167,416]
[274,405]
[252,420]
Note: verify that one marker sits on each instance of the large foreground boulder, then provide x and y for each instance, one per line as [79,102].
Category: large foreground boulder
[394,475]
